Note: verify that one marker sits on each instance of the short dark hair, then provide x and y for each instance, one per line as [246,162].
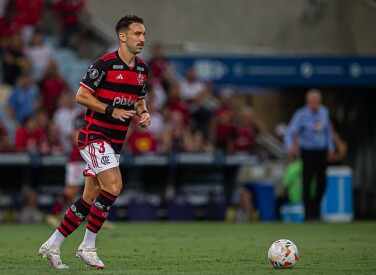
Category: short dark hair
[125,21]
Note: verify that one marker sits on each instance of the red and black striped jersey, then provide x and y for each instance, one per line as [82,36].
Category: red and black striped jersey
[112,82]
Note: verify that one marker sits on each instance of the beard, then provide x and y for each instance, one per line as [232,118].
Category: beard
[134,49]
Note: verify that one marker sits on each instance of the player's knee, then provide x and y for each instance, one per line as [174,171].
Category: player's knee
[114,189]
[111,181]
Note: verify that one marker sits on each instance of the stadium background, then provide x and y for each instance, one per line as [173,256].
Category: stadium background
[296,45]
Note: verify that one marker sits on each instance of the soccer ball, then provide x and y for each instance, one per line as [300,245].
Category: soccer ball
[283,254]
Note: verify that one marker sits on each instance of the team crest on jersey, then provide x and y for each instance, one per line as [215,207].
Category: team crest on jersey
[140,79]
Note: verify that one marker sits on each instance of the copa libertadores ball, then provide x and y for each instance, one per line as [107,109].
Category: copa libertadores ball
[283,254]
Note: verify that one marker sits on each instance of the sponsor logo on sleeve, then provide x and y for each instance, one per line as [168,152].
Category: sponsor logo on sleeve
[93,73]
[96,83]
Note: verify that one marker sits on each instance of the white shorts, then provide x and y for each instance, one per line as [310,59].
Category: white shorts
[73,173]
[99,157]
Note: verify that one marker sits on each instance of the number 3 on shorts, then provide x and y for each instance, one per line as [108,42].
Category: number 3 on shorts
[101,147]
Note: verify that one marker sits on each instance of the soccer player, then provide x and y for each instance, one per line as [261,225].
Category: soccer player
[113,90]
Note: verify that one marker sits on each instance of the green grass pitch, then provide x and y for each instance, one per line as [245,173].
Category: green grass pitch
[198,248]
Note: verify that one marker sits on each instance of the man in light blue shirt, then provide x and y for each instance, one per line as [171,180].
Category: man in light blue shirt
[23,100]
[309,132]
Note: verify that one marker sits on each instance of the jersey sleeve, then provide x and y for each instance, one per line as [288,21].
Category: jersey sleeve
[94,76]
[142,95]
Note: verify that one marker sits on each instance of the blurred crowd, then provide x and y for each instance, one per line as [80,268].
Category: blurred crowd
[189,115]
[34,97]
[38,107]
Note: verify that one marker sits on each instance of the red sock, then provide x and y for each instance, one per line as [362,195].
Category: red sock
[99,211]
[74,216]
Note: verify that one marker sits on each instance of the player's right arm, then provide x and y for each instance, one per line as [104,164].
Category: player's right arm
[93,78]
[87,99]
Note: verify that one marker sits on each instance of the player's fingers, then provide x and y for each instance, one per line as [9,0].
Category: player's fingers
[117,116]
[126,115]
[145,125]
[146,121]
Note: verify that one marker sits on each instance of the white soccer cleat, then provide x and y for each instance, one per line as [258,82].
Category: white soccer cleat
[53,255]
[89,256]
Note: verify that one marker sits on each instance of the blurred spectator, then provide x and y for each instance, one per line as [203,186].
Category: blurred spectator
[199,143]
[69,12]
[176,104]
[50,142]
[42,120]
[141,141]
[224,124]
[157,127]
[19,16]
[293,182]
[7,132]
[64,118]
[9,21]
[340,146]
[177,136]
[27,136]
[2,7]
[38,55]
[41,123]
[280,131]
[52,86]
[14,61]
[30,213]
[29,14]
[246,132]
[4,139]
[310,126]
[191,87]
[157,96]
[24,100]
[158,66]
[203,108]
[193,92]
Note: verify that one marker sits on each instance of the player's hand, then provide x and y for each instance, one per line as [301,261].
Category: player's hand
[331,156]
[122,114]
[293,152]
[145,121]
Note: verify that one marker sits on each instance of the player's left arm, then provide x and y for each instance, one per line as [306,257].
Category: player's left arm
[142,112]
